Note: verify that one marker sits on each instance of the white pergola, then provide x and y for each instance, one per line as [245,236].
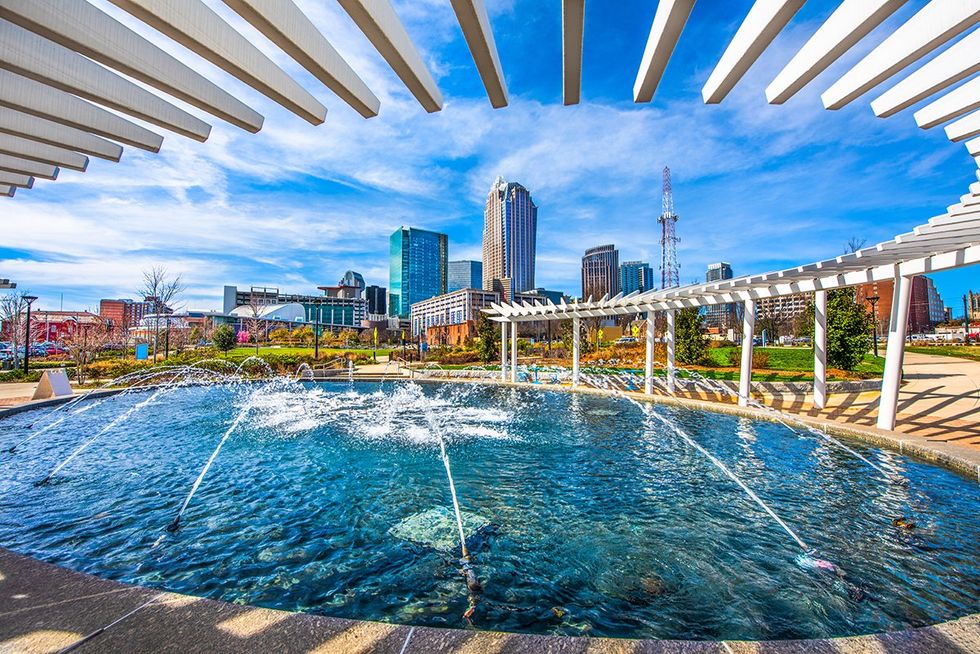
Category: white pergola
[947,241]
[63,63]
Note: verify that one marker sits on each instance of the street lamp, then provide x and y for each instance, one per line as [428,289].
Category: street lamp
[27,331]
[873,299]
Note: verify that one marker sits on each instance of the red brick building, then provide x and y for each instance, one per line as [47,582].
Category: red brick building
[124,314]
[925,306]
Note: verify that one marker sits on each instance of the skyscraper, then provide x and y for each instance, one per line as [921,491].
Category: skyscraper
[600,272]
[465,274]
[635,276]
[718,315]
[510,223]
[418,267]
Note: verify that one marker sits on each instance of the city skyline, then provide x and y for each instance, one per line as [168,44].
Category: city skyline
[284,206]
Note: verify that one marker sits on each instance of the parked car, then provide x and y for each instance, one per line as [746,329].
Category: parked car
[626,339]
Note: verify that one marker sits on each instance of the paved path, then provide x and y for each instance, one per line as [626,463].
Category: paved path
[14,394]
[44,608]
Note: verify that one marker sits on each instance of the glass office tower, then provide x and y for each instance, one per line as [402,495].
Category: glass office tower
[418,268]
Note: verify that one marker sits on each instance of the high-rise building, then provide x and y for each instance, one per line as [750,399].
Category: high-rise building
[377,299]
[465,274]
[719,315]
[600,272]
[635,276]
[418,268]
[510,224]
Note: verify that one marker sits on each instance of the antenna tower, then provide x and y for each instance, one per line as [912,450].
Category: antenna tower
[670,273]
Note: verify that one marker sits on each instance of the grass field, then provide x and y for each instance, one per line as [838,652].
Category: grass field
[784,361]
[961,351]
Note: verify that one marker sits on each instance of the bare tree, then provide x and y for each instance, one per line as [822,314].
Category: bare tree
[85,344]
[854,244]
[162,290]
[13,313]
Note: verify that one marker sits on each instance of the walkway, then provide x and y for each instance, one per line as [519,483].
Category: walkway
[44,608]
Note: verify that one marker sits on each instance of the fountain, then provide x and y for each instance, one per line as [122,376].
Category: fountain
[617,531]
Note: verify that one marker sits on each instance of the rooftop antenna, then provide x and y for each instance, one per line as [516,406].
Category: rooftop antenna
[670,274]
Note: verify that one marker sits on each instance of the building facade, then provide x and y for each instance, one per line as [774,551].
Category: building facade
[124,313]
[973,306]
[510,224]
[340,310]
[464,274]
[925,305]
[635,276]
[455,308]
[600,272]
[354,280]
[418,268]
[719,315]
[377,299]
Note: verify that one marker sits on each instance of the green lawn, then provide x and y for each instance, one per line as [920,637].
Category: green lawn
[784,362]
[961,351]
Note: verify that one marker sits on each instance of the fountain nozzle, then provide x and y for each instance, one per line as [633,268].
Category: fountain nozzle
[174,526]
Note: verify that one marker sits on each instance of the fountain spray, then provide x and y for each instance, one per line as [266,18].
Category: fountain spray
[472,582]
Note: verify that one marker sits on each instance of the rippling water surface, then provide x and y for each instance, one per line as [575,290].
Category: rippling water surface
[584,515]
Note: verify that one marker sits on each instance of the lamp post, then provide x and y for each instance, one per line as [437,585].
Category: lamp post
[27,331]
[316,333]
[966,320]
[873,300]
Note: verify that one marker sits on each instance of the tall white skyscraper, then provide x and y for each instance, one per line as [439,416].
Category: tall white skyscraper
[510,224]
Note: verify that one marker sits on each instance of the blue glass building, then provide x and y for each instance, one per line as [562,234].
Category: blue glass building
[635,276]
[465,274]
[418,268]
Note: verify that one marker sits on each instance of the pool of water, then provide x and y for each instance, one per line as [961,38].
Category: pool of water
[584,514]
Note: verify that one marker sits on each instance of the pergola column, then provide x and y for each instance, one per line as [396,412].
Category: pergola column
[745,372]
[648,379]
[671,350]
[513,352]
[820,349]
[895,353]
[576,348]
[503,351]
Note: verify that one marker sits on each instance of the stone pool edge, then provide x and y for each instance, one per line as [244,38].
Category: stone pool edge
[47,607]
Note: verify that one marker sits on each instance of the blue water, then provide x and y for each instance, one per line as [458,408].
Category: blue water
[596,519]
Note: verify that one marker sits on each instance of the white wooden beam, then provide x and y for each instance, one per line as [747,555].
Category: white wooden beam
[37,99]
[25,148]
[33,56]
[473,19]
[763,23]
[82,27]
[572,35]
[964,128]
[28,167]
[16,179]
[849,23]
[933,25]
[283,23]
[382,27]
[963,99]
[199,29]
[668,23]
[956,63]
[52,133]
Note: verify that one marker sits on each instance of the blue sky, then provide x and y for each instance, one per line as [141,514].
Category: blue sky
[294,206]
